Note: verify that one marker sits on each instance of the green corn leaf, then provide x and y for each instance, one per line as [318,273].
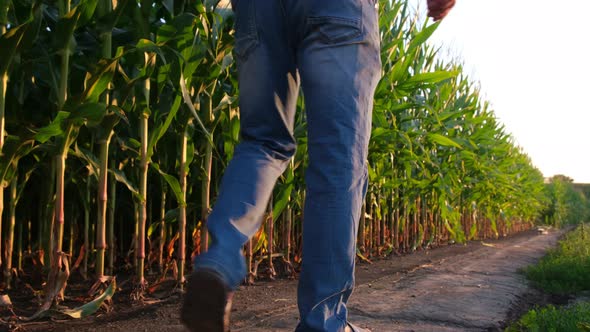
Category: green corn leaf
[86,9]
[431,77]
[107,23]
[9,44]
[388,17]
[119,112]
[121,178]
[153,228]
[133,143]
[172,183]
[105,129]
[67,24]
[403,106]
[146,45]
[89,158]
[172,215]
[421,37]
[379,118]
[23,183]
[378,133]
[18,37]
[372,174]
[97,82]
[235,129]
[224,103]
[190,154]
[91,307]
[188,102]
[4,11]
[442,117]
[34,24]
[55,128]
[169,5]
[165,74]
[14,148]
[157,133]
[90,114]
[284,196]
[64,31]
[165,33]
[443,140]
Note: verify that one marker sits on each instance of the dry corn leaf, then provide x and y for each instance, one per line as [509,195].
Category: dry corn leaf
[5,301]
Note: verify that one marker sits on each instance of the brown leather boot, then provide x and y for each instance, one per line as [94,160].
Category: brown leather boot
[207,302]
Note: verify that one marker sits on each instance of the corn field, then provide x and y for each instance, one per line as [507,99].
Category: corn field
[119,116]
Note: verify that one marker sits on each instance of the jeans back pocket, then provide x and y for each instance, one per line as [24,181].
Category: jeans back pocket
[336,21]
[336,29]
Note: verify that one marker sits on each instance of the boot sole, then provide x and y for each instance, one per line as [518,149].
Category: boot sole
[205,303]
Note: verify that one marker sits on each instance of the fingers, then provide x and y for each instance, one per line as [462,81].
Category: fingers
[438,9]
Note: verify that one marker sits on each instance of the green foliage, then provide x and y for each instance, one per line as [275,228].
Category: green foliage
[566,203]
[573,318]
[436,140]
[565,269]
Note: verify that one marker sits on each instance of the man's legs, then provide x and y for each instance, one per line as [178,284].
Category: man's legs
[338,57]
[339,62]
[268,90]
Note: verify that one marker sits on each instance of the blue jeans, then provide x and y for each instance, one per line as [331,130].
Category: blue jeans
[331,48]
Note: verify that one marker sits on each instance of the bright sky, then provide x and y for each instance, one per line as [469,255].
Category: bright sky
[531,58]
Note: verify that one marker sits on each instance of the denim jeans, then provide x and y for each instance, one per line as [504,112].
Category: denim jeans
[331,49]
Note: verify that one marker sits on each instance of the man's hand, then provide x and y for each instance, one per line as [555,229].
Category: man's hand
[438,9]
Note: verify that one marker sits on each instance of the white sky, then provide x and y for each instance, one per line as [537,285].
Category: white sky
[532,60]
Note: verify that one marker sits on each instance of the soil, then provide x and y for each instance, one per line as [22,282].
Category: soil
[472,287]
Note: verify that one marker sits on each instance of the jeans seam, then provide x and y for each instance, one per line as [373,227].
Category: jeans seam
[250,35]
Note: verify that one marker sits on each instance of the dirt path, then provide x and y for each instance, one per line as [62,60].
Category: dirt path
[454,288]
[472,291]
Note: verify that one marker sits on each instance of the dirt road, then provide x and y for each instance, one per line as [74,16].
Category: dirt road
[454,288]
[459,291]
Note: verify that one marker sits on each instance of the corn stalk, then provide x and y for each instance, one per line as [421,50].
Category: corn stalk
[58,231]
[86,226]
[3,86]
[3,79]
[19,244]
[60,159]
[142,14]
[205,195]
[271,269]
[143,169]
[10,240]
[104,7]
[111,223]
[100,243]
[162,227]
[182,217]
